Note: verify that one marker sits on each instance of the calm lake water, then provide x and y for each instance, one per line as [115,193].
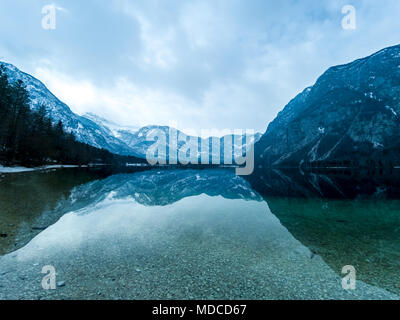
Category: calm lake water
[199,234]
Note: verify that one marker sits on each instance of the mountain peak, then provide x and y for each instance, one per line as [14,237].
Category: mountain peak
[350,114]
[89,128]
[94,117]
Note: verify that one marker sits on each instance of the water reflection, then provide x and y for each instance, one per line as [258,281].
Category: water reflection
[31,201]
[364,233]
[163,187]
[203,234]
[346,217]
[333,183]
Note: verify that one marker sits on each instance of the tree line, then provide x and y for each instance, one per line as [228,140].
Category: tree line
[29,137]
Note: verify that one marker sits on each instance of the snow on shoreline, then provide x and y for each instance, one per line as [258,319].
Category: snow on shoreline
[24,169]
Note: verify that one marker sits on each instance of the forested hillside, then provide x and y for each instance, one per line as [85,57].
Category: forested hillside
[29,138]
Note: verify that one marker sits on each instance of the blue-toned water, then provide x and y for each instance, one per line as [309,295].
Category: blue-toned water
[196,234]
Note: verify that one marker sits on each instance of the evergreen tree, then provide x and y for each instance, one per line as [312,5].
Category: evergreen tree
[30,138]
[4,109]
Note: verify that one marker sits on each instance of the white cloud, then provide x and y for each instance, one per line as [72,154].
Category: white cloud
[204,64]
[124,102]
[61,9]
[129,104]
[157,51]
[78,94]
[206,25]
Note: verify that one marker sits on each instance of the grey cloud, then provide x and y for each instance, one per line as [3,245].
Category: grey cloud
[239,61]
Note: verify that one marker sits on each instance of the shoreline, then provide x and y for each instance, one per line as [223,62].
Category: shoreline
[26,169]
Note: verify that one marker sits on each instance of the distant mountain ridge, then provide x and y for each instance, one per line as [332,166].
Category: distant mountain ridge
[89,128]
[349,117]
[136,138]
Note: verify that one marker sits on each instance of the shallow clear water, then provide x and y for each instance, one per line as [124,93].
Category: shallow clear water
[187,234]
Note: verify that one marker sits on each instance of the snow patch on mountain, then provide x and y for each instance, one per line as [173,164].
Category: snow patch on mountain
[90,128]
[84,130]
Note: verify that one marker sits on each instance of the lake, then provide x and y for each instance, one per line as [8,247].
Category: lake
[199,234]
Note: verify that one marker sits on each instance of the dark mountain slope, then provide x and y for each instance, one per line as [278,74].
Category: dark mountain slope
[349,117]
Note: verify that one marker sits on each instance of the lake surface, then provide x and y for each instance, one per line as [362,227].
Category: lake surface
[199,234]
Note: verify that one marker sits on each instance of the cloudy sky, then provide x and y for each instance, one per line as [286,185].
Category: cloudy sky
[202,64]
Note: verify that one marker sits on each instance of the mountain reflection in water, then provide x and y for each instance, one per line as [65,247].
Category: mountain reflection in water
[348,217]
[343,217]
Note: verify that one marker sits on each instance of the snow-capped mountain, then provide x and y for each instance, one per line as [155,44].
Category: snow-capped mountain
[349,117]
[136,139]
[84,129]
[90,128]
